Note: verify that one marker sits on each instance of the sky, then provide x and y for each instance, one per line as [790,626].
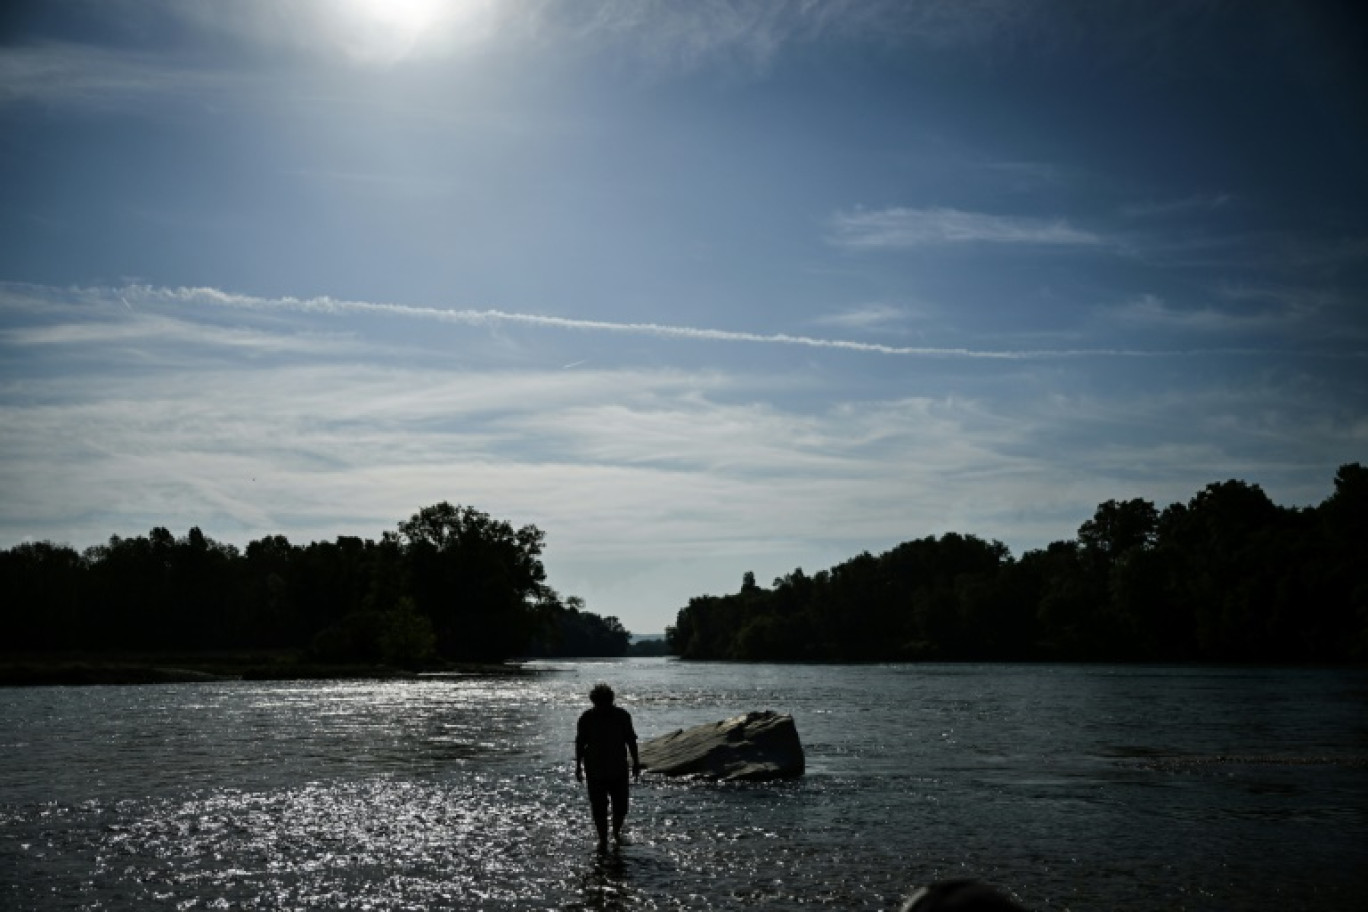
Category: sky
[697,288]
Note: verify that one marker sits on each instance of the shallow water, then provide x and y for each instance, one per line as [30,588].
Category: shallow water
[1072,787]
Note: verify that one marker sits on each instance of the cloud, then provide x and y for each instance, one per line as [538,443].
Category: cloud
[93,76]
[659,34]
[1153,310]
[639,463]
[755,32]
[643,463]
[1242,309]
[151,329]
[899,228]
[254,451]
[865,317]
[634,471]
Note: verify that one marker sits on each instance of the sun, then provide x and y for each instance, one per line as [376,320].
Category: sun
[404,17]
[387,31]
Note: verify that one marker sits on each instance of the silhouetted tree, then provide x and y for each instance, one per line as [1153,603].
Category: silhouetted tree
[576,632]
[478,579]
[406,637]
[1227,576]
[43,588]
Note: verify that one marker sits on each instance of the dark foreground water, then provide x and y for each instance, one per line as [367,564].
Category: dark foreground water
[1094,787]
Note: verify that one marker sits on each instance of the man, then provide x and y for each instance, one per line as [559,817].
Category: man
[603,738]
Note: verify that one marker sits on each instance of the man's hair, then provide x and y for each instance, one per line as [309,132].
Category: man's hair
[601,695]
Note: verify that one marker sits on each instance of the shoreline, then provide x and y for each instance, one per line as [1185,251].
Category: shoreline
[95,670]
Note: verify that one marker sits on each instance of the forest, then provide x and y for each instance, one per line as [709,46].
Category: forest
[451,584]
[1228,576]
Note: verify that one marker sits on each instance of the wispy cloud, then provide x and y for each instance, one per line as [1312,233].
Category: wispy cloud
[660,34]
[688,476]
[1292,303]
[53,72]
[1241,309]
[617,450]
[144,329]
[596,457]
[865,317]
[891,229]
[69,64]
[756,31]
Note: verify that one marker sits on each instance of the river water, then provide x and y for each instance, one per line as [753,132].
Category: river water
[1070,787]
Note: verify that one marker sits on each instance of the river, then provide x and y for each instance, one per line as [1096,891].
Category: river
[1070,787]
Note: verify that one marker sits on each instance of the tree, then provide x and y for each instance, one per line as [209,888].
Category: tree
[42,583]
[479,580]
[1118,527]
[1226,576]
[1341,584]
[268,615]
[406,637]
[576,632]
[1117,540]
[1226,546]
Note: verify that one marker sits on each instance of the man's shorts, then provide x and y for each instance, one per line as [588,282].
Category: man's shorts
[601,790]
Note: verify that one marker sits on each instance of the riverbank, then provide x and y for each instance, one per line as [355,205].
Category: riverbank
[80,669]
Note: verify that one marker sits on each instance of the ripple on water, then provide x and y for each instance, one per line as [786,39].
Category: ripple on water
[377,843]
[518,842]
[459,794]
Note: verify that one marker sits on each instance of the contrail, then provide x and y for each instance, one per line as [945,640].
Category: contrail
[491,317]
[328,305]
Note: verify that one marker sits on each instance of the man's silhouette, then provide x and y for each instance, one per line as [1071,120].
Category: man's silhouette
[603,739]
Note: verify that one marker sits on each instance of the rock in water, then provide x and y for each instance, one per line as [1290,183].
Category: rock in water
[754,748]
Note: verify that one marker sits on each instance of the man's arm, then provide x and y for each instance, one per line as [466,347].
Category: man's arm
[632,745]
[579,751]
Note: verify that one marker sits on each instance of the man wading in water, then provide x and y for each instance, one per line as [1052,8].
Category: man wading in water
[603,738]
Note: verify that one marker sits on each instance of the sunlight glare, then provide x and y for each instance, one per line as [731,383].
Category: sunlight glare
[388,31]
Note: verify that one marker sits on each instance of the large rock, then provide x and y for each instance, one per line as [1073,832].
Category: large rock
[755,747]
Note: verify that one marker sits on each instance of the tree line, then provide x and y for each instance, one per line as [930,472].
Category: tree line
[1228,576]
[450,584]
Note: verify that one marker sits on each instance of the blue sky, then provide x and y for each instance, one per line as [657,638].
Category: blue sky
[697,288]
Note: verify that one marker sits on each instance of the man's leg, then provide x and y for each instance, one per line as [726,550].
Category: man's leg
[598,806]
[620,802]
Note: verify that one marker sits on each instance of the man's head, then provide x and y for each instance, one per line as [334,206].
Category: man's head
[601,695]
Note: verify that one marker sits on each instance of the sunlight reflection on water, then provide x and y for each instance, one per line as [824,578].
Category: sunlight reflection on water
[1072,788]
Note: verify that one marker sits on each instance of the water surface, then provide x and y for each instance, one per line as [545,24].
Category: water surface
[1072,787]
